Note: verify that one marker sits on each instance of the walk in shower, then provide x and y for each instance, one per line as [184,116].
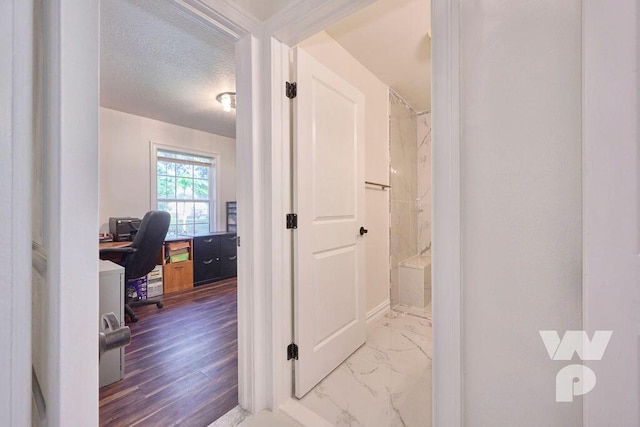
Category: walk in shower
[410,210]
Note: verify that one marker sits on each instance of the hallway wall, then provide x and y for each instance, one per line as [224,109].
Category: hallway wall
[521,145]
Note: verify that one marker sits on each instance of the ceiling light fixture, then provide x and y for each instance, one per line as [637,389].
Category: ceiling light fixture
[228,100]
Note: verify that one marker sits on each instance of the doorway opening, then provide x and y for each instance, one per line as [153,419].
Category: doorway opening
[386,381]
[167,142]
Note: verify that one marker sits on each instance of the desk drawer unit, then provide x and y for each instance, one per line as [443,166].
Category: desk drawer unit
[206,247]
[206,271]
[228,245]
[177,270]
[228,266]
[178,276]
[214,258]
[229,258]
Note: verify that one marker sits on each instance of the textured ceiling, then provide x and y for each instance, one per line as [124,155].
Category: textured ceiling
[391,38]
[157,62]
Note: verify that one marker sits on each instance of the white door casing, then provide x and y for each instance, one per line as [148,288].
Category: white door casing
[611,207]
[329,292]
[16,117]
[446,256]
[64,331]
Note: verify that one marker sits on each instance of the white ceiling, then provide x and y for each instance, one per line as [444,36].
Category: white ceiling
[159,63]
[390,38]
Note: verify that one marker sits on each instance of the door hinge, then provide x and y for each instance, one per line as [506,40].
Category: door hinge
[292,90]
[292,351]
[292,221]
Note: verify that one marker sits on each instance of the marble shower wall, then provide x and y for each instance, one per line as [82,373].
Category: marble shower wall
[423,176]
[403,239]
[410,179]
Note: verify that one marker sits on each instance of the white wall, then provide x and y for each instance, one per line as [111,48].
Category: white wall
[521,197]
[125,163]
[331,54]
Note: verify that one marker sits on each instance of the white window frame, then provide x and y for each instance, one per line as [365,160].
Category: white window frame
[214,205]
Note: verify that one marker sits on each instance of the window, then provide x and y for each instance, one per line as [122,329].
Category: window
[185,187]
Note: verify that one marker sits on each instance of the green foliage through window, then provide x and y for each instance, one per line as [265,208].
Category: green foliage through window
[186,189]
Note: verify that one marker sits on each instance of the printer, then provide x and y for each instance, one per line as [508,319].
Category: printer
[124,228]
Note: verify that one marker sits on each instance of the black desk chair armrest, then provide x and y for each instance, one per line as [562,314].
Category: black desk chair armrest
[116,254]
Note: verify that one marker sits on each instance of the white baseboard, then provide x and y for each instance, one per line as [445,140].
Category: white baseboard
[301,414]
[379,311]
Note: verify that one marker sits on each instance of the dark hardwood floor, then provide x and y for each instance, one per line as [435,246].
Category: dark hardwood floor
[181,367]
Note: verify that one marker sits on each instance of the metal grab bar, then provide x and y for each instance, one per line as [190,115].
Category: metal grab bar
[383,186]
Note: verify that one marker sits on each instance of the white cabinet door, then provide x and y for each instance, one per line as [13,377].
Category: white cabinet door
[329,288]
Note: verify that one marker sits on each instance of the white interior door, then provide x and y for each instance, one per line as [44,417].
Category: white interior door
[329,288]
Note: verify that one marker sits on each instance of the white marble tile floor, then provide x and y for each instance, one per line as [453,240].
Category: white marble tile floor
[239,417]
[385,383]
[425,313]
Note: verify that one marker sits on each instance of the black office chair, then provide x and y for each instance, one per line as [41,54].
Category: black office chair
[141,257]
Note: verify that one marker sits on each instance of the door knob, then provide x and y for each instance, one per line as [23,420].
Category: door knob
[363,231]
[113,335]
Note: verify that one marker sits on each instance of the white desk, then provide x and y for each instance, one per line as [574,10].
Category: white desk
[111,301]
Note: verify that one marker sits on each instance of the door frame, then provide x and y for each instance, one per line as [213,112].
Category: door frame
[72,84]
[16,134]
[447,272]
[235,25]
[446,201]
[610,174]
